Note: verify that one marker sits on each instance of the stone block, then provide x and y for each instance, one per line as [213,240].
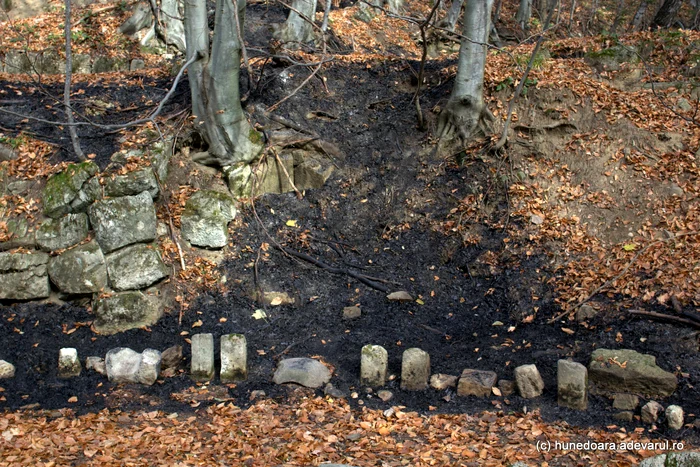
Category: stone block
[80,270]
[476,383]
[572,385]
[415,370]
[528,381]
[202,365]
[123,221]
[135,267]
[627,371]
[58,234]
[149,367]
[68,363]
[307,372]
[23,276]
[373,365]
[674,417]
[651,411]
[234,358]
[124,311]
[625,402]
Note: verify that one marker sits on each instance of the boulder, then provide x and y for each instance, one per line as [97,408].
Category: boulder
[572,385]
[202,364]
[135,267]
[476,383]
[304,371]
[625,402]
[23,276]
[7,370]
[124,311]
[205,219]
[58,234]
[528,381]
[673,459]
[415,369]
[149,367]
[80,270]
[132,183]
[119,222]
[88,194]
[68,363]
[61,189]
[674,417]
[627,371]
[234,358]
[373,365]
[122,365]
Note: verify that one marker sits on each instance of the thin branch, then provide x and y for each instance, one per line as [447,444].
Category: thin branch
[67,85]
[665,317]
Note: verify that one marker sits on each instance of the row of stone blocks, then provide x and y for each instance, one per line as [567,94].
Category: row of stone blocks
[572,377]
[51,63]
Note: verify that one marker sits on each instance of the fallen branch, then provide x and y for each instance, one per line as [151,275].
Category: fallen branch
[665,317]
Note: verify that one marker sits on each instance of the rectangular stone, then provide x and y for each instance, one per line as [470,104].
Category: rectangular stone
[234,356]
[373,365]
[202,365]
[572,385]
[476,383]
[415,370]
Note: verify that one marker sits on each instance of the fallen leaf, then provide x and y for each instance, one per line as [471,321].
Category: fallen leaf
[259,314]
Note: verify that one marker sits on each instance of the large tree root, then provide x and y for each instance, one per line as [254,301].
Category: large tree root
[462,118]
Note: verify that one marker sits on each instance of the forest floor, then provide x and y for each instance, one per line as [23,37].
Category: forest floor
[595,199]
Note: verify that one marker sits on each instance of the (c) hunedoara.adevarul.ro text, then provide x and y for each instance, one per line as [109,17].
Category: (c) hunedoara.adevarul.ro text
[664,445]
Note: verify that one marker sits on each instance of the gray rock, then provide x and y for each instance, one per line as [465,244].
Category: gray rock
[202,364]
[673,459]
[625,402]
[7,370]
[124,311]
[385,395]
[171,357]
[440,381]
[135,267]
[476,383]
[415,369]
[528,381]
[17,187]
[506,386]
[61,189]
[58,234]
[572,385]
[132,183]
[149,367]
[23,276]
[373,365]
[160,154]
[627,371]
[137,64]
[88,194]
[140,19]
[239,180]
[400,296]
[7,153]
[304,371]
[68,363]
[651,411]
[205,219]
[332,391]
[585,312]
[234,358]
[79,270]
[96,364]
[119,222]
[352,312]
[684,105]
[624,416]
[18,227]
[102,64]
[122,365]
[276,299]
[674,417]
[82,63]
[312,172]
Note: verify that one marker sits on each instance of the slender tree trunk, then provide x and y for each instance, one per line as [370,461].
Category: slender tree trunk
[326,13]
[214,84]
[299,25]
[67,85]
[524,14]
[453,15]
[465,111]
[636,24]
[394,6]
[667,14]
[170,25]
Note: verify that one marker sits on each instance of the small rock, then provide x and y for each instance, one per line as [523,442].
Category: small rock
[674,417]
[415,369]
[132,183]
[332,391]
[506,386]
[234,358]
[373,365]
[675,190]
[149,367]
[625,416]
[257,393]
[400,296]
[277,299]
[476,383]
[171,357]
[528,381]
[684,105]
[162,230]
[354,436]
[122,365]
[385,395]
[135,267]
[351,312]
[651,411]
[304,371]
[572,385]
[96,364]
[205,219]
[202,364]
[585,312]
[536,219]
[7,370]
[68,363]
[625,402]
[441,381]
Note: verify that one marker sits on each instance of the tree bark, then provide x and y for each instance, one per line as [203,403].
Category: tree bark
[465,112]
[667,14]
[214,84]
[299,25]
[453,15]
[67,85]
[170,26]
[639,15]
[524,14]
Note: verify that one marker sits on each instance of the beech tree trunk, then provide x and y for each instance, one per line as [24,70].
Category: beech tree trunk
[524,14]
[667,14]
[170,26]
[639,15]
[297,28]
[214,84]
[453,15]
[465,111]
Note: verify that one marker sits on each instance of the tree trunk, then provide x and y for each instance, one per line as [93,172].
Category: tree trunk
[67,85]
[524,14]
[666,15]
[214,84]
[394,6]
[465,111]
[170,26]
[299,25]
[639,15]
[453,15]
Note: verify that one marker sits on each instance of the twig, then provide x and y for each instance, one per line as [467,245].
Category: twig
[665,317]
[622,273]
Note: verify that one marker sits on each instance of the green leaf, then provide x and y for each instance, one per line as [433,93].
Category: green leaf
[291,223]
[630,247]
